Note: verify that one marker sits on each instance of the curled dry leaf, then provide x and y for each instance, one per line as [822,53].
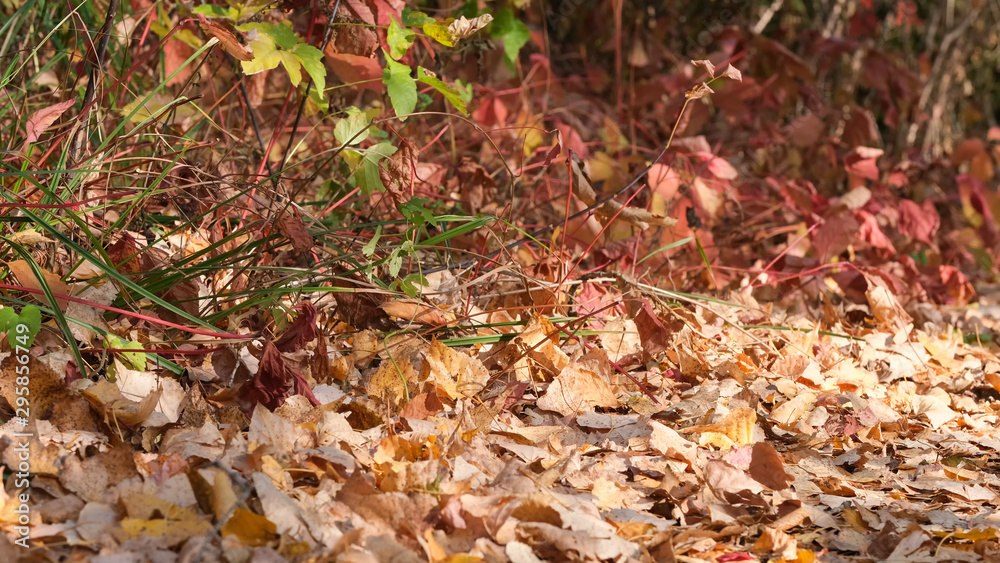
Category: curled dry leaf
[733,73]
[736,428]
[397,174]
[464,27]
[699,92]
[415,311]
[227,38]
[707,65]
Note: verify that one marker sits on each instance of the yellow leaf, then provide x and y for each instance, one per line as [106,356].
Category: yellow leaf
[252,529]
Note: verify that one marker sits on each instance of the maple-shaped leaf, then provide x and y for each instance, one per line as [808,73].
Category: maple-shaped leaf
[274,44]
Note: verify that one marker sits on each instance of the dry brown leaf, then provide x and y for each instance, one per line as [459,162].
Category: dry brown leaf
[415,311]
[227,38]
[577,389]
[464,27]
[22,270]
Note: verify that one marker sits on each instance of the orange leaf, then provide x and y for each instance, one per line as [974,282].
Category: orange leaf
[26,276]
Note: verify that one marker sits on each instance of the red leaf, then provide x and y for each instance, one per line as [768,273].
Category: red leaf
[422,406]
[861,162]
[653,334]
[870,232]
[360,72]
[918,222]
[39,121]
[386,11]
[302,331]
[361,10]
[175,54]
[834,236]
[956,285]
[718,167]
[302,386]
[269,386]
[664,180]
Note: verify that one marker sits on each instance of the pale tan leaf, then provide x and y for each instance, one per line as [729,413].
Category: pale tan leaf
[707,65]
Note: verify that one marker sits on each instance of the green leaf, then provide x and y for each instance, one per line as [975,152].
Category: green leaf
[250,8]
[449,91]
[368,172]
[292,66]
[369,248]
[265,49]
[215,11]
[439,32]
[515,34]
[8,318]
[412,19]
[31,317]
[399,38]
[416,212]
[136,359]
[274,44]
[283,35]
[311,59]
[317,102]
[395,263]
[410,282]
[347,128]
[401,86]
